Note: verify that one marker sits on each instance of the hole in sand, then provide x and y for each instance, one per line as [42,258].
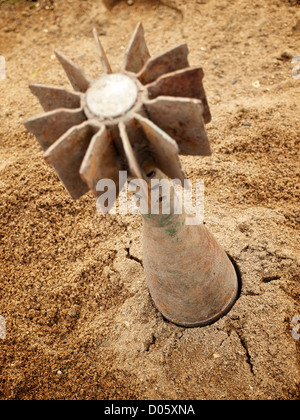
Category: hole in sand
[239,277]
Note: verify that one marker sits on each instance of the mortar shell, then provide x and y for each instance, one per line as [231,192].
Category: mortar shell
[190,277]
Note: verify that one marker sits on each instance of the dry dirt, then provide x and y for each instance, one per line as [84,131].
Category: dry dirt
[80,323]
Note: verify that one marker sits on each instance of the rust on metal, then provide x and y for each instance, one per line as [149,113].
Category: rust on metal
[132,162]
[171,60]
[164,147]
[137,53]
[154,108]
[140,120]
[75,75]
[182,83]
[102,54]
[52,97]
[48,127]
[192,282]
[182,119]
[66,155]
[101,161]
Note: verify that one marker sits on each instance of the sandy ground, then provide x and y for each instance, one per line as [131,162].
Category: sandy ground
[80,323]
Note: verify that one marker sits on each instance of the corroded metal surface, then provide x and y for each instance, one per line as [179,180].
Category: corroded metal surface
[131,158]
[196,288]
[164,147]
[182,83]
[153,108]
[48,127]
[52,97]
[66,155]
[103,58]
[137,53]
[75,75]
[190,277]
[101,161]
[171,60]
[139,120]
[182,119]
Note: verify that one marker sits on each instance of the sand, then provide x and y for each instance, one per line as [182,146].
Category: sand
[80,323]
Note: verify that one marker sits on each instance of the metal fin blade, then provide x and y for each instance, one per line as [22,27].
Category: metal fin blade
[171,60]
[182,119]
[52,97]
[66,156]
[137,52]
[164,147]
[133,165]
[76,76]
[48,127]
[103,57]
[100,161]
[182,83]
[135,170]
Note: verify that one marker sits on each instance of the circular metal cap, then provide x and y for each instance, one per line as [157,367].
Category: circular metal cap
[111,95]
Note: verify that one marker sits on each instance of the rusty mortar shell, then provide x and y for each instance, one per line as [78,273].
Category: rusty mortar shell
[190,277]
[152,110]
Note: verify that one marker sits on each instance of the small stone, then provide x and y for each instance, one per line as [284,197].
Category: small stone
[246,124]
[130,2]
